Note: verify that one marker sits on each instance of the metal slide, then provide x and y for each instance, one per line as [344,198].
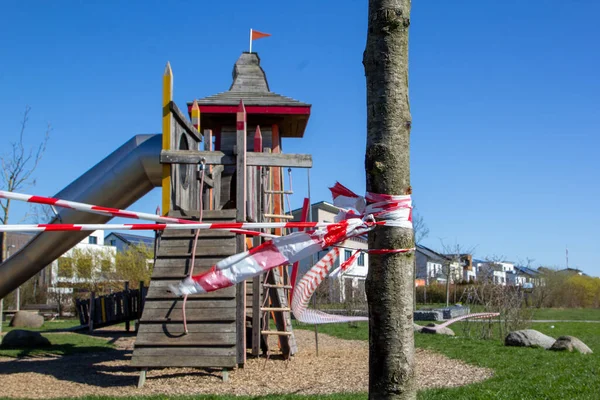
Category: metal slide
[118,181]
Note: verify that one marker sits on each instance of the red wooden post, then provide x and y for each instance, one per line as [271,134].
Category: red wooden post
[258,144]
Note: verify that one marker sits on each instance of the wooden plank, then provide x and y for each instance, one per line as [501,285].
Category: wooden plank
[193,315]
[204,234]
[184,123]
[184,361]
[197,339]
[192,304]
[207,215]
[177,329]
[161,292]
[204,242]
[185,351]
[185,262]
[220,158]
[213,251]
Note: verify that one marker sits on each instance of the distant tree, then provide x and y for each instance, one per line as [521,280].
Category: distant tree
[453,264]
[419,226]
[17,167]
[134,264]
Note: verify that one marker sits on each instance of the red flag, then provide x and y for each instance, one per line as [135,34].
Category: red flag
[259,35]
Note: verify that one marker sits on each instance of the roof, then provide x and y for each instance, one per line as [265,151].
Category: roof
[526,271]
[262,105]
[430,253]
[133,239]
[250,84]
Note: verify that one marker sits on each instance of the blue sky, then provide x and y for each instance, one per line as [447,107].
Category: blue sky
[504,99]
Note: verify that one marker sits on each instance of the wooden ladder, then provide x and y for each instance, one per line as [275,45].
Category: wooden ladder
[276,288]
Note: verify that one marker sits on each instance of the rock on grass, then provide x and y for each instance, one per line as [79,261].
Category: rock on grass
[570,343]
[26,319]
[528,338]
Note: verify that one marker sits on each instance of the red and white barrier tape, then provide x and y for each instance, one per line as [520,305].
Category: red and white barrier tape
[245,228]
[307,286]
[274,253]
[94,209]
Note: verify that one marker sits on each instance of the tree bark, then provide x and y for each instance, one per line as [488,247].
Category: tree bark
[387,162]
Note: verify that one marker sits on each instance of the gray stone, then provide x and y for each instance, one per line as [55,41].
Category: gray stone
[434,329]
[570,343]
[428,315]
[454,311]
[19,338]
[26,319]
[528,338]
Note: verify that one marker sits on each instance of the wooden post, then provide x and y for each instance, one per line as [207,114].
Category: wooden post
[92,311]
[276,174]
[142,378]
[241,239]
[125,301]
[208,147]
[166,136]
[256,293]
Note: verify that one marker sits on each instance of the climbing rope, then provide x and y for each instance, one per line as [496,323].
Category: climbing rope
[191,273]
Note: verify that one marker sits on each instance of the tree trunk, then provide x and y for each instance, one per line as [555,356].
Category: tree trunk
[387,162]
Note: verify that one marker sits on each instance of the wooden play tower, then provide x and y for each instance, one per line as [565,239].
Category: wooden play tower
[235,138]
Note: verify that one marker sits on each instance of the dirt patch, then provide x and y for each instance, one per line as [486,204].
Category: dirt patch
[342,366]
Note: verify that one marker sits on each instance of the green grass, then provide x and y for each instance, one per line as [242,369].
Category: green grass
[62,344]
[48,325]
[519,373]
[573,314]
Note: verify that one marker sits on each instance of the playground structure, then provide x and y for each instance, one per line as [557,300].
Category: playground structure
[238,177]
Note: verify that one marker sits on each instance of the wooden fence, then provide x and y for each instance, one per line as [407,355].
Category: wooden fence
[111,309]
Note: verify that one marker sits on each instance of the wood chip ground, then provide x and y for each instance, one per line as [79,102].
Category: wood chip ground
[340,367]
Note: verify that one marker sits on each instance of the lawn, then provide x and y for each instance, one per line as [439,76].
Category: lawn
[572,314]
[48,325]
[62,343]
[519,373]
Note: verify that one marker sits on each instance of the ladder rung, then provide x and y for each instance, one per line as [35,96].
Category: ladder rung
[279,333]
[269,285]
[279,192]
[278,216]
[275,309]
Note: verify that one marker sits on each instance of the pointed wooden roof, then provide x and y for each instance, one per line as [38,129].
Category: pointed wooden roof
[250,85]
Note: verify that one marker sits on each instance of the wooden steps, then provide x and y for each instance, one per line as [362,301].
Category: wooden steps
[211,317]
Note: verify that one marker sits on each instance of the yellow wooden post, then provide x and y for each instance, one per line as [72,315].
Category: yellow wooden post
[166,137]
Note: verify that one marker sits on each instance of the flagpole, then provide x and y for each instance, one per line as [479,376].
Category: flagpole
[250,40]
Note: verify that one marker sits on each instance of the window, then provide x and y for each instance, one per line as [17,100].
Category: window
[113,242]
[93,240]
[361,259]
[347,254]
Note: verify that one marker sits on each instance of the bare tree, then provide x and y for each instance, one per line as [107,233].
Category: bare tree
[18,166]
[457,257]
[420,229]
[387,162]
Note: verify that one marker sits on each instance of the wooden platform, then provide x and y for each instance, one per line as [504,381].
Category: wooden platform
[211,318]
